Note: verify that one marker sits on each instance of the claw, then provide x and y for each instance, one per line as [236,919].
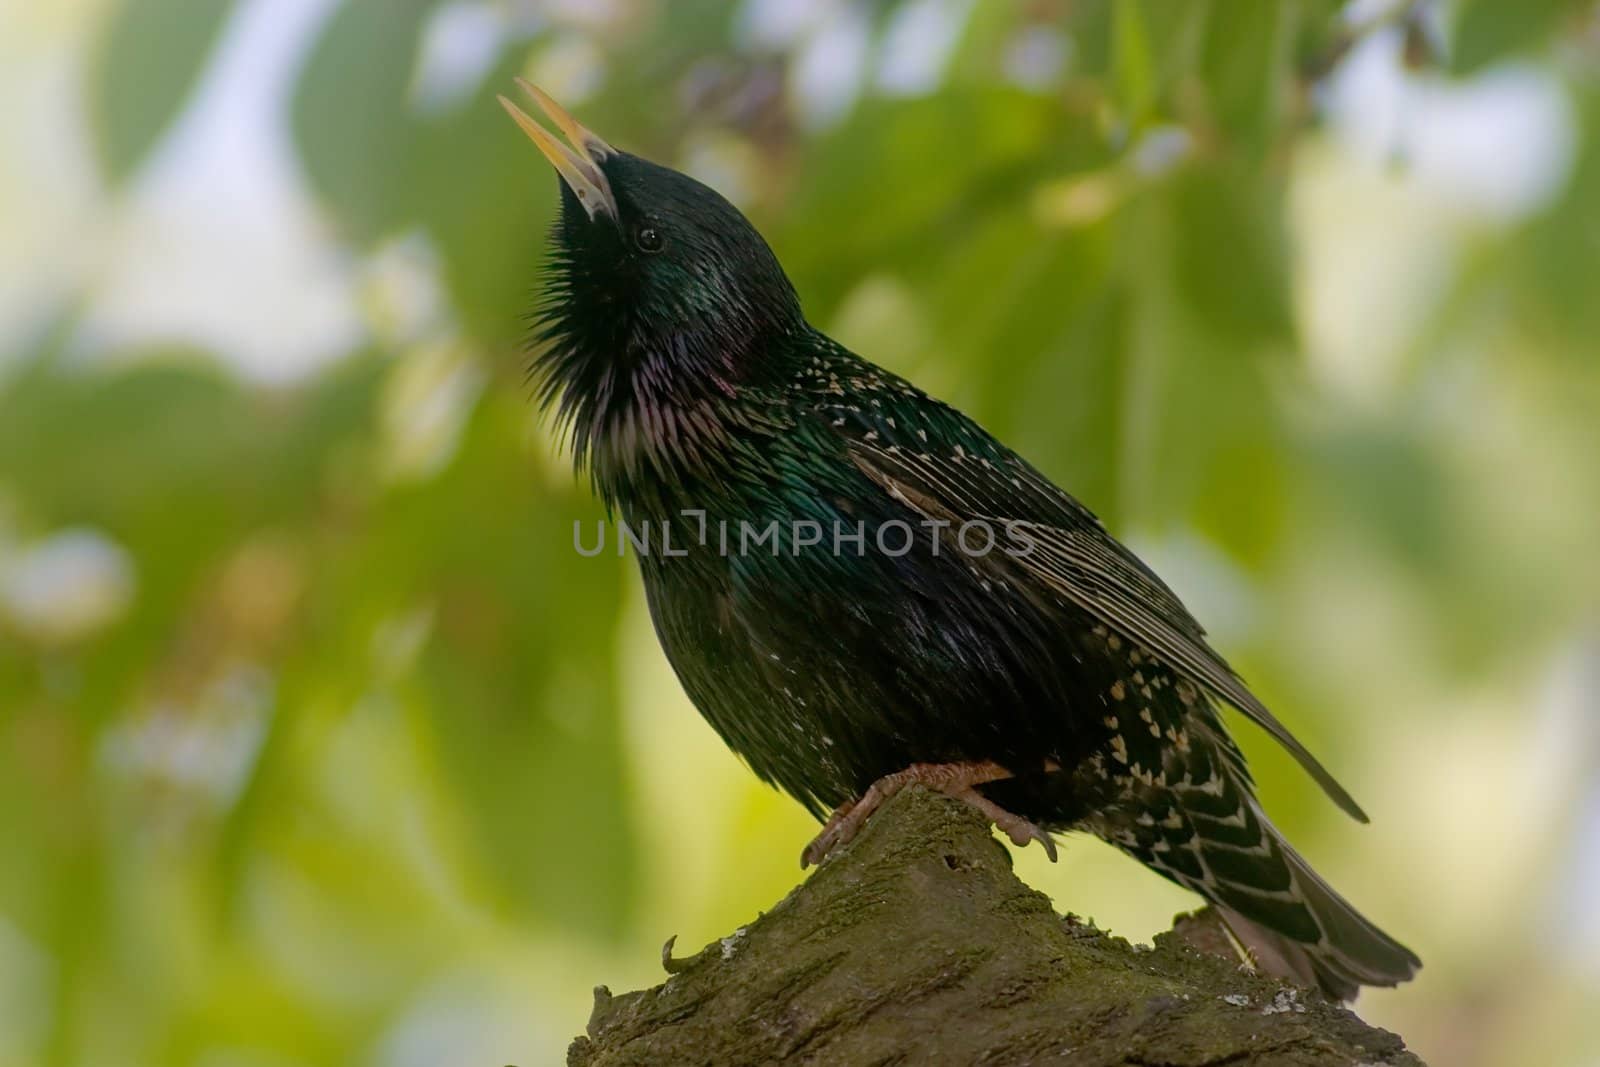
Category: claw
[824,842]
[1020,830]
[957,780]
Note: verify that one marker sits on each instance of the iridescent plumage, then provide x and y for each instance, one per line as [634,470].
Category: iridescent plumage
[701,401]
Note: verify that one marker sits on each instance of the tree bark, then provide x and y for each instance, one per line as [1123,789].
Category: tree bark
[917,945]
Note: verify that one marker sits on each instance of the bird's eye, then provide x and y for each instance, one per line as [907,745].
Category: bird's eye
[648,238]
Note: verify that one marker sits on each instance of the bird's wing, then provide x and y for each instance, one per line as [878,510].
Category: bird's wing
[1072,556]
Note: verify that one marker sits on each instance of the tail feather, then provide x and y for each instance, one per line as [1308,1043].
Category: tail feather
[1350,950]
[1205,831]
[1354,946]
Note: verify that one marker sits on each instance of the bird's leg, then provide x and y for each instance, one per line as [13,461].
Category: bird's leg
[957,780]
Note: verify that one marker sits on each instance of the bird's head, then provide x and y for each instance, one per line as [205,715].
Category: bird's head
[660,295]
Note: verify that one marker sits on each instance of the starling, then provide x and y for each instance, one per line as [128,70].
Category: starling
[860,588]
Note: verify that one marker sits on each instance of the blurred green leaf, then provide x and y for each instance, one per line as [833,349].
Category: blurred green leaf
[352,112]
[1244,67]
[182,464]
[488,198]
[519,678]
[1134,67]
[1232,257]
[1487,31]
[1553,269]
[150,55]
[1076,384]
[893,195]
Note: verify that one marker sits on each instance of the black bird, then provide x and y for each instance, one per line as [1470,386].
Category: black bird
[861,588]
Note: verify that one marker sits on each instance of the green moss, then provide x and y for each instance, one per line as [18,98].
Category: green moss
[917,944]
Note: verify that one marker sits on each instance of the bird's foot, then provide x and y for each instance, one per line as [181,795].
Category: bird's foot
[957,780]
[1020,830]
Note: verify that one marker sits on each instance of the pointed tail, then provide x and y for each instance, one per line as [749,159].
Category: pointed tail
[1349,951]
[1208,833]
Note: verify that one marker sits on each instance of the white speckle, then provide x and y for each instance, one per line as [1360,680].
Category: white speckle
[460,44]
[1284,1001]
[1161,149]
[830,64]
[67,585]
[917,45]
[1036,57]
[206,750]
[225,180]
[1498,145]
[730,944]
[1238,1000]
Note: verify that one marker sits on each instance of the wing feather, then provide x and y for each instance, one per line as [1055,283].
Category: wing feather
[1074,557]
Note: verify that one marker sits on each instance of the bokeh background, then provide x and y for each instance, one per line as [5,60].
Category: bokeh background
[319,743]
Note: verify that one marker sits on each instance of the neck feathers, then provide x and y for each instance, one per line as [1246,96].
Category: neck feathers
[647,414]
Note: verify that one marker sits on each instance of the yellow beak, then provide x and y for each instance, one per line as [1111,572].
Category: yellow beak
[580,169]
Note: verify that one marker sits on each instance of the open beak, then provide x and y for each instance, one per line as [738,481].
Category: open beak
[580,169]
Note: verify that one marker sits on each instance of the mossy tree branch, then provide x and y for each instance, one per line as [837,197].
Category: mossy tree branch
[917,944]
